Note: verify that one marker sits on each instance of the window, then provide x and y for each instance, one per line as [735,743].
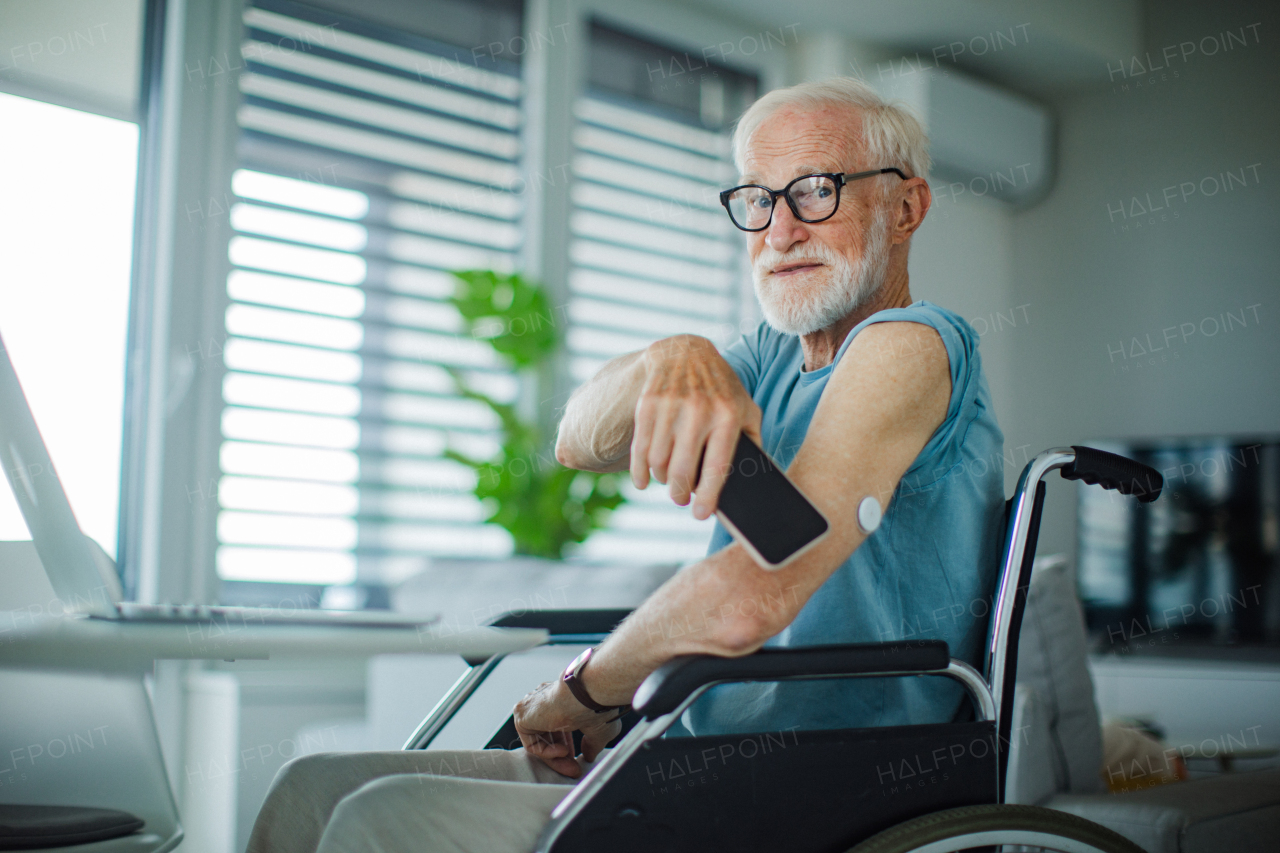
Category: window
[652,254]
[372,162]
[66,238]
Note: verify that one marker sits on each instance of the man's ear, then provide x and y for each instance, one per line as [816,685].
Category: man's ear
[914,200]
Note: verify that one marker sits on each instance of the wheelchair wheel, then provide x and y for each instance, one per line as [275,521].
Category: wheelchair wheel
[998,827]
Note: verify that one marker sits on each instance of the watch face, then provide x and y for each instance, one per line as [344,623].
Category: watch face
[576,664]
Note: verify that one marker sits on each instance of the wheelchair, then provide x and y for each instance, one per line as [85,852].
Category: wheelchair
[820,791]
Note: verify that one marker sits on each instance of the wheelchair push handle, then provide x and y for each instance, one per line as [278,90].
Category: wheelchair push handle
[673,682]
[1111,471]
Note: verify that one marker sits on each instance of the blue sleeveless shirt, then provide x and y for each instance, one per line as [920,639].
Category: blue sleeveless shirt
[928,571]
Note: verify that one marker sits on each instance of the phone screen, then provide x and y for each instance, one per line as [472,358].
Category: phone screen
[764,510]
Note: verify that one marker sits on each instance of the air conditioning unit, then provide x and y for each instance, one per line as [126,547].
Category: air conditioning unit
[985,141]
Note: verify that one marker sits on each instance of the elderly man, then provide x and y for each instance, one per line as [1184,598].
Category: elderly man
[851,386]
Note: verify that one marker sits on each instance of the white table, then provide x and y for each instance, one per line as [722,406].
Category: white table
[72,643]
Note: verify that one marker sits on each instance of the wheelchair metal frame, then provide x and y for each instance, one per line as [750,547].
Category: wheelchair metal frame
[991,691]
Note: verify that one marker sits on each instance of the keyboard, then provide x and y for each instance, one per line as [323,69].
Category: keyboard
[129,611]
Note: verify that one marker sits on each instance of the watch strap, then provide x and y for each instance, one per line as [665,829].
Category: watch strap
[573,681]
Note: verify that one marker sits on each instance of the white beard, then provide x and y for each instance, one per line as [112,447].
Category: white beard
[806,302]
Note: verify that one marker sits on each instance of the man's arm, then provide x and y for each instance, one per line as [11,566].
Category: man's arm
[656,411]
[595,432]
[884,401]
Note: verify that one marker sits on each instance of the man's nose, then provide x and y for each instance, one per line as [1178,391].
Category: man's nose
[785,230]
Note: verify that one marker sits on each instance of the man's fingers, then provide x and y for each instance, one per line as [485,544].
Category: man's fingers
[716,464]
[595,740]
[685,454]
[661,444]
[640,440]
[546,744]
[564,766]
[752,428]
[554,749]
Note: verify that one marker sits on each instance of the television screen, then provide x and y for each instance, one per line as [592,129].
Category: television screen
[1196,568]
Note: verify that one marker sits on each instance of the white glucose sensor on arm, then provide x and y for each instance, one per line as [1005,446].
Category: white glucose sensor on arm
[869,514]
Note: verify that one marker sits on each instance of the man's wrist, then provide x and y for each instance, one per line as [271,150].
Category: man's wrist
[580,715]
[571,680]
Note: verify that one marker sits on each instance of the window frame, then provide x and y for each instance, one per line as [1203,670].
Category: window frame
[174,387]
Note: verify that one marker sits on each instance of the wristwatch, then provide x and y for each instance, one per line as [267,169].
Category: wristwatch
[572,679]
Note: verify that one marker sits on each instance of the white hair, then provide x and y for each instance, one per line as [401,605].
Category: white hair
[891,135]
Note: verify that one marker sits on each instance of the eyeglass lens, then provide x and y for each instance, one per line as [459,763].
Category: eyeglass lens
[814,197]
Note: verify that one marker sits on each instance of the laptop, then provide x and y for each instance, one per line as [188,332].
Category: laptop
[71,560]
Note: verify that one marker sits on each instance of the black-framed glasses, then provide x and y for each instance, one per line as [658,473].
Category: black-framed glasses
[812,198]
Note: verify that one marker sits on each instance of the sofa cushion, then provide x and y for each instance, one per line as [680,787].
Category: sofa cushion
[1053,661]
[1029,781]
[1231,811]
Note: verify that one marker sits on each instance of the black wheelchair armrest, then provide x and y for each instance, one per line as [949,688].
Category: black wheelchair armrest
[564,622]
[670,684]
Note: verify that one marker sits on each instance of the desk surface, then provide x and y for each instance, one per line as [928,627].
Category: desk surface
[98,644]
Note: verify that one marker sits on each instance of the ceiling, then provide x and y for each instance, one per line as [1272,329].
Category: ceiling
[1045,46]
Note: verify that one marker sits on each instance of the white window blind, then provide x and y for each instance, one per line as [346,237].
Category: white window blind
[652,254]
[371,164]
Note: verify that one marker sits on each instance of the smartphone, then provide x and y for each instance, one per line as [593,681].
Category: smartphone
[765,511]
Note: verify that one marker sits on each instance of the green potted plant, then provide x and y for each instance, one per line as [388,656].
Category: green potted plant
[542,504]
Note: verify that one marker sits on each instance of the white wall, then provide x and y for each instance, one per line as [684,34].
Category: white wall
[85,54]
[961,259]
[1092,284]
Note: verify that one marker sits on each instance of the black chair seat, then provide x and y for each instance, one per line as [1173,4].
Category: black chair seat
[37,827]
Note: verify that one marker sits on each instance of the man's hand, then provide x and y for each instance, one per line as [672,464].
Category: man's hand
[546,720]
[691,400]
